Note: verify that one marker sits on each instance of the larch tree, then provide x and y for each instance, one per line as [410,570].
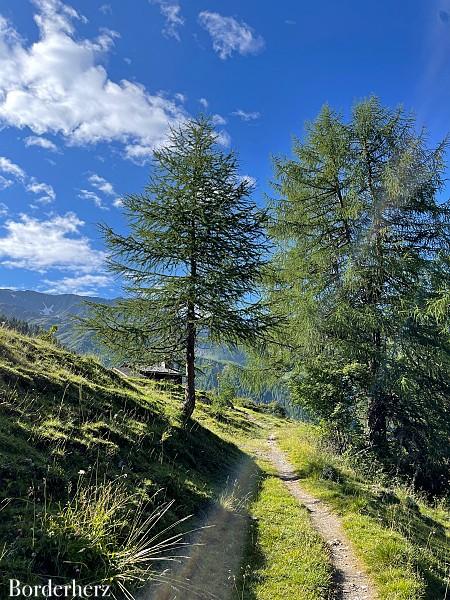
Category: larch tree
[361,233]
[192,260]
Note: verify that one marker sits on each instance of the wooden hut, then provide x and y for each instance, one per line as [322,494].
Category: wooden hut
[161,372]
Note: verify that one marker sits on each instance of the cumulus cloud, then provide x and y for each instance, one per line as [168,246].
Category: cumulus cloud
[204,102]
[46,192]
[42,142]
[246,116]
[171,11]
[102,184]
[58,85]
[54,243]
[3,209]
[229,35]
[84,285]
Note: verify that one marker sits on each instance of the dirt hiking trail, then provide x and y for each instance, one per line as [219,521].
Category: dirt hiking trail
[215,556]
[350,582]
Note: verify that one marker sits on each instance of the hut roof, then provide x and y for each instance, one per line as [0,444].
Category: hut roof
[158,369]
[134,371]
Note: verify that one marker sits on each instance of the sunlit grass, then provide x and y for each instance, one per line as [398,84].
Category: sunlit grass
[403,542]
[286,557]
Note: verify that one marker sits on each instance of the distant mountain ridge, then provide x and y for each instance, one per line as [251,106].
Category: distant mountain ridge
[45,310]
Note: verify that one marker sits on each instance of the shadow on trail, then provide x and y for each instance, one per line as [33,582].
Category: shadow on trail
[213,566]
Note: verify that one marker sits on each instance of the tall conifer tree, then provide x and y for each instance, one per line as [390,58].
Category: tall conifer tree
[191,261]
[361,232]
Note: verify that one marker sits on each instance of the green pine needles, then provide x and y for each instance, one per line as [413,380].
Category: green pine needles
[361,237]
[192,260]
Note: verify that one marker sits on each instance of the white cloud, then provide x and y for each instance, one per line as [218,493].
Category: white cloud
[11,168]
[229,35]
[218,120]
[54,243]
[118,202]
[102,184]
[58,85]
[106,9]
[223,138]
[48,193]
[3,209]
[204,102]
[30,183]
[42,142]
[5,183]
[246,116]
[84,285]
[171,11]
[93,197]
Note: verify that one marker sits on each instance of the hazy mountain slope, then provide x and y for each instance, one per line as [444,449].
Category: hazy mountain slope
[46,310]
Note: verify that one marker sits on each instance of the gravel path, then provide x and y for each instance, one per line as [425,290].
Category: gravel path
[351,583]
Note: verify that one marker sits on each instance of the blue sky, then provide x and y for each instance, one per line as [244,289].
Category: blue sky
[88,88]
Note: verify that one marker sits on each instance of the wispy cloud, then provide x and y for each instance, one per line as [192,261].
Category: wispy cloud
[106,9]
[246,116]
[83,285]
[44,190]
[218,120]
[229,35]
[223,138]
[5,183]
[92,197]
[171,11]
[42,142]
[7,166]
[101,184]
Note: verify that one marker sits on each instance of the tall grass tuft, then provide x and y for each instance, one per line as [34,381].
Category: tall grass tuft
[111,536]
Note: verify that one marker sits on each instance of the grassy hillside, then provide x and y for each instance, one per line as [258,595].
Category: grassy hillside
[93,467]
[68,426]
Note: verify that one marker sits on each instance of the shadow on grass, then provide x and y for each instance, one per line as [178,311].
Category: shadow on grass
[64,435]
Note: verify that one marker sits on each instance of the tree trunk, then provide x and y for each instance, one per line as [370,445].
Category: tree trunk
[376,413]
[189,397]
[377,424]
